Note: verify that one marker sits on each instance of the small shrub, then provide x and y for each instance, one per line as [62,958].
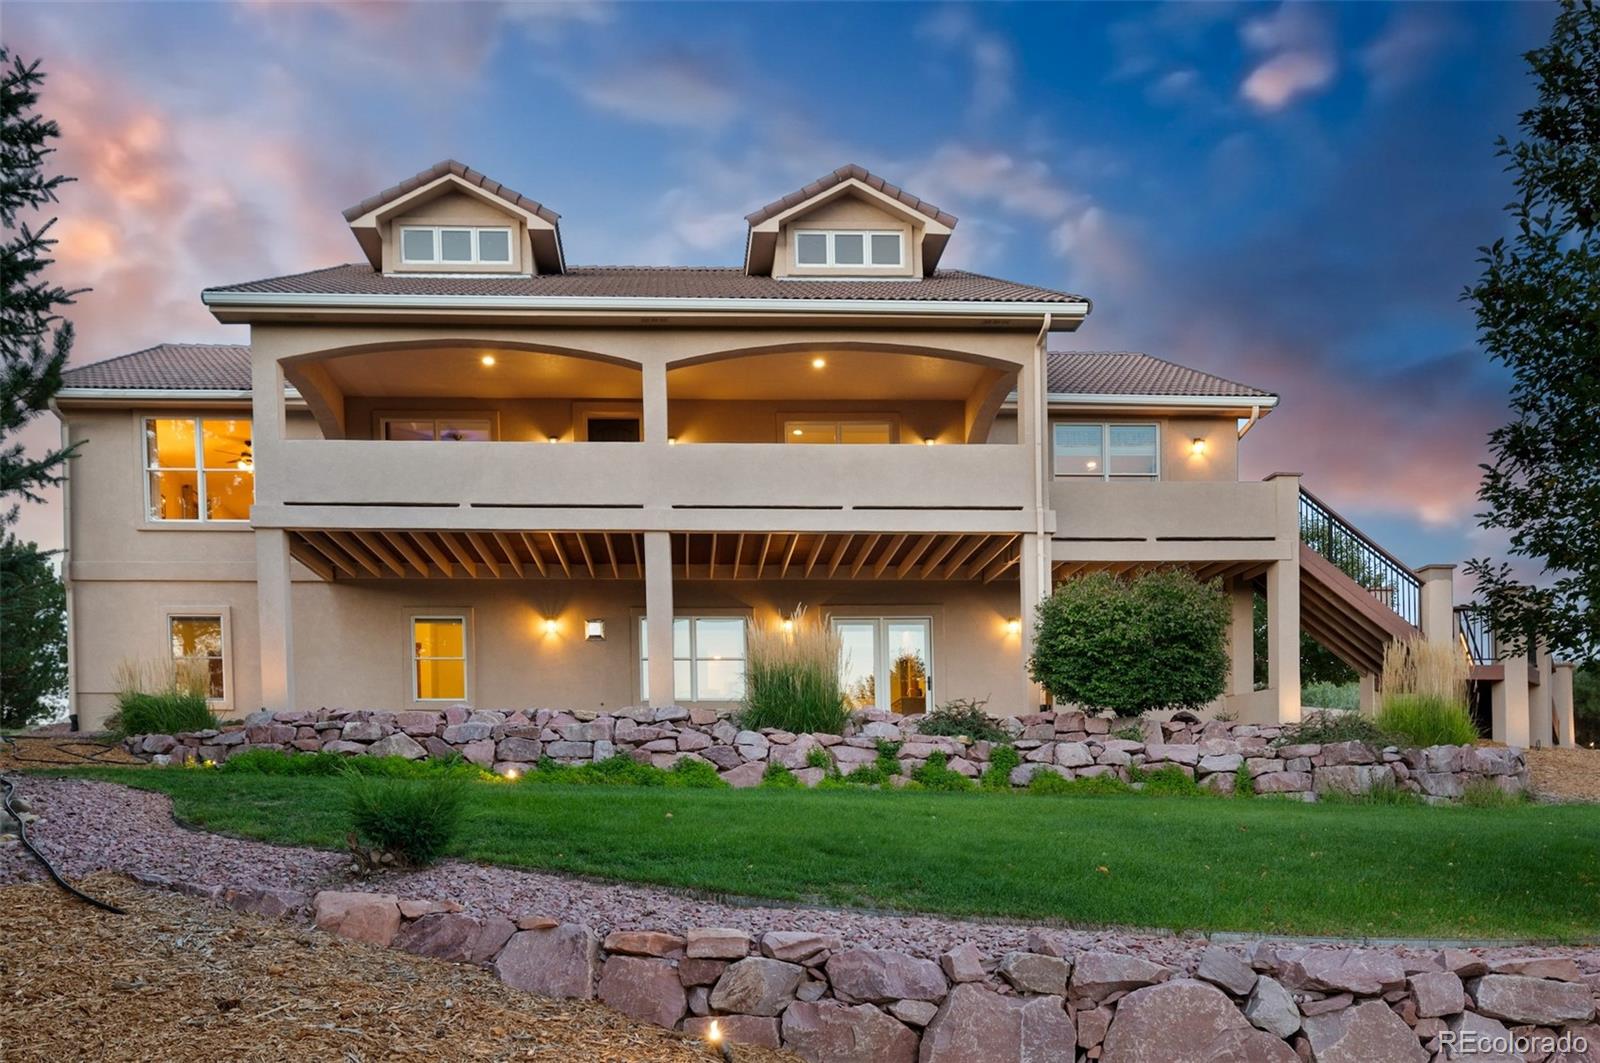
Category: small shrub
[160,697]
[692,774]
[819,757]
[792,678]
[1385,792]
[1333,726]
[963,716]
[1002,761]
[1326,695]
[1049,783]
[415,819]
[1156,641]
[622,770]
[1426,720]
[1130,733]
[1244,784]
[935,774]
[778,777]
[888,756]
[1169,781]
[1483,793]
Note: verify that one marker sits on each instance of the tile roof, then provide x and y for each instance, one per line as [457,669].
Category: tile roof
[844,173]
[169,366]
[466,173]
[1132,373]
[673,282]
[226,366]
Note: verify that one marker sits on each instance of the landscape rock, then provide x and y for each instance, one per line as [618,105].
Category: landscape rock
[1030,972]
[443,936]
[1364,972]
[1519,999]
[831,1032]
[1363,1034]
[1181,1019]
[737,1029]
[964,963]
[799,946]
[757,986]
[1561,968]
[1098,975]
[914,1012]
[397,745]
[1437,993]
[978,1025]
[1225,968]
[643,943]
[644,989]
[370,917]
[879,976]
[558,962]
[716,943]
[1271,1008]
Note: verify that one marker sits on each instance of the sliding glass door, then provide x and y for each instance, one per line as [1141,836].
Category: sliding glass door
[887,662]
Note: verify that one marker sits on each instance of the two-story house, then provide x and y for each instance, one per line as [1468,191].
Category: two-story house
[462,470]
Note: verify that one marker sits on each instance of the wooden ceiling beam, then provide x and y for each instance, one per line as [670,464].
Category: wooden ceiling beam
[433,547]
[914,555]
[887,555]
[348,544]
[838,553]
[509,548]
[561,555]
[960,557]
[862,555]
[402,545]
[319,542]
[930,566]
[310,557]
[588,558]
[461,553]
[380,550]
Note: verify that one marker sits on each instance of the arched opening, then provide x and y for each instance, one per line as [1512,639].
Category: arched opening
[822,393]
[458,390]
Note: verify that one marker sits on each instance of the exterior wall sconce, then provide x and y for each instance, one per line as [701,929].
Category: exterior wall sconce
[555,439]
[672,441]
[594,630]
[1014,626]
[818,363]
[550,625]
[788,625]
[487,359]
[1197,447]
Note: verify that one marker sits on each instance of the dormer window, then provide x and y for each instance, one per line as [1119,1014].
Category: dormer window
[866,248]
[454,245]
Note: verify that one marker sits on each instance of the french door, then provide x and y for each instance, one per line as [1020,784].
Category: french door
[887,662]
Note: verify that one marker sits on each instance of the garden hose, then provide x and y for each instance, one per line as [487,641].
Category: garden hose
[7,788]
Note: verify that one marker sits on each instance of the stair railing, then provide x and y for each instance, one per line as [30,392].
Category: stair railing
[1385,576]
[1477,637]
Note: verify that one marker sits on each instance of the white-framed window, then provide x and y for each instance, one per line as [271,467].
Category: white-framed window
[708,656]
[454,245]
[199,648]
[867,248]
[439,658]
[886,662]
[1107,451]
[198,469]
[438,429]
[816,431]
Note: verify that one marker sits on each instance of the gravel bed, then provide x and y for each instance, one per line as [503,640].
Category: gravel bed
[91,826]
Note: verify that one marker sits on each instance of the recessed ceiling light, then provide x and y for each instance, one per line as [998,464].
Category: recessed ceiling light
[798,432]
[818,363]
[487,359]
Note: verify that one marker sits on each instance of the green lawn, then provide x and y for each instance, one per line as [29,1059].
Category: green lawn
[1242,864]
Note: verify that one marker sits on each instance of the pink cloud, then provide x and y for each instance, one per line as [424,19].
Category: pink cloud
[1278,81]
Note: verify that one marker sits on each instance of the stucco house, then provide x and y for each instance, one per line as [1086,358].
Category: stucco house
[461,470]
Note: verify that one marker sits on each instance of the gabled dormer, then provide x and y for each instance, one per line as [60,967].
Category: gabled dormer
[452,219]
[847,224]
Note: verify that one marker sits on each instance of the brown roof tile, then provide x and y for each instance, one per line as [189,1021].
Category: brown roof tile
[844,173]
[466,173]
[1132,373]
[169,366]
[670,282]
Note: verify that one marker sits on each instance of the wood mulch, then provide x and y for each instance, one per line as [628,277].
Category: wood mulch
[179,978]
[60,751]
[1565,774]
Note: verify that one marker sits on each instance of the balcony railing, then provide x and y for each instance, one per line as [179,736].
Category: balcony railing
[1477,637]
[1385,576]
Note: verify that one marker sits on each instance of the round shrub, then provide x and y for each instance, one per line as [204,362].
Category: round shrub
[1157,641]
[415,819]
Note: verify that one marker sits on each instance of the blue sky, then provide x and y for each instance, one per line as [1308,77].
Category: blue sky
[1290,195]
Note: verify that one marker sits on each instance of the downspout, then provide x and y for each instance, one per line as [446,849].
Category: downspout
[1040,497]
[66,578]
[1255,415]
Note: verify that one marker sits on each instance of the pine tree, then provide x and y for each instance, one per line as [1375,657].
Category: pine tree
[33,634]
[1538,312]
[34,340]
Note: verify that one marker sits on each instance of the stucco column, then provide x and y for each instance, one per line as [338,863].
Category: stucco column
[1437,608]
[1367,696]
[1283,638]
[1034,580]
[658,615]
[1540,715]
[655,402]
[1561,702]
[1242,639]
[276,619]
[1509,703]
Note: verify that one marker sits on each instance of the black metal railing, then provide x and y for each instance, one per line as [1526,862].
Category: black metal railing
[1385,576]
[1477,637]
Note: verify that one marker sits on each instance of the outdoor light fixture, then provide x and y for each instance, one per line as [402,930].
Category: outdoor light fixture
[487,359]
[714,1039]
[594,630]
[672,441]
[1091,465]
[788,624]
[797,431]
[818,363]
[555,439]
[929,442]
[1197,446]
[549,625]
[1014,626]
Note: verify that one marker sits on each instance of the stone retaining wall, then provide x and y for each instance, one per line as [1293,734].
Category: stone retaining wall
[829,1002]
[1070,744]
